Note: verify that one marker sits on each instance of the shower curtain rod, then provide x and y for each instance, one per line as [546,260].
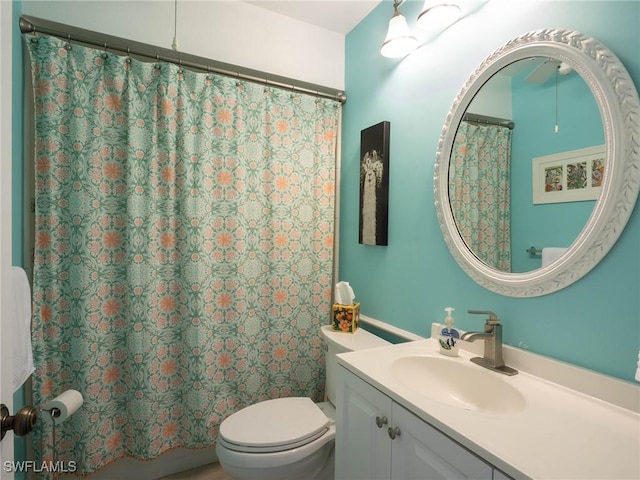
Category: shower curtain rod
[130,47]
[475,118]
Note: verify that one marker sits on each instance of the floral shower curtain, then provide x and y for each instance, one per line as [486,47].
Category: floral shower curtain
[480,192]
[184,249]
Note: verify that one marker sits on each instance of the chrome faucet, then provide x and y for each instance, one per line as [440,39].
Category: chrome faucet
[492,336]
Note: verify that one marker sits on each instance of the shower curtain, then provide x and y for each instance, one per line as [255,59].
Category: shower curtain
[480,193]
[184,249]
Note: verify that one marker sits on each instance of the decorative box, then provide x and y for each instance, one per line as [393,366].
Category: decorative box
[346,318]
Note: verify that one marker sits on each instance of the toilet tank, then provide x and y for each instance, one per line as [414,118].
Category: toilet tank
[339,342]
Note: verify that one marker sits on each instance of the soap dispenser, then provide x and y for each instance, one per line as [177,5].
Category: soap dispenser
[449,336]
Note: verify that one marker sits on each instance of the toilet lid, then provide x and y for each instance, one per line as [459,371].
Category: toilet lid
[274,425]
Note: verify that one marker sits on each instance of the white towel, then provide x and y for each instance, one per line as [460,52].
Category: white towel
[22,353]
[550,254]
[638,369]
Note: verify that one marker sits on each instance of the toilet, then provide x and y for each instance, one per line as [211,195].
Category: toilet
[289,438]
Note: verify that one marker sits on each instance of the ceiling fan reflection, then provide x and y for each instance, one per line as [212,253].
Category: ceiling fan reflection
[547,68]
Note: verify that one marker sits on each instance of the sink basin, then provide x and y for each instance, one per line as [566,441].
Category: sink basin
[458,383]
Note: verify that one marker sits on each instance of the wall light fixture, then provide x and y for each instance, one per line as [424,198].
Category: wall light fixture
[434,17]
[438,16]
[399,41]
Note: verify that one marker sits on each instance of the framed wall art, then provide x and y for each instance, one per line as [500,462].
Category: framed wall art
[374,184]
[571,176]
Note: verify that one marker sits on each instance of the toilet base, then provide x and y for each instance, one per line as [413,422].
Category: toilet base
[319,466]
[328,472]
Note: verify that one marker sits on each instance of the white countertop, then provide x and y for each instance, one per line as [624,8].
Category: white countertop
[559,434]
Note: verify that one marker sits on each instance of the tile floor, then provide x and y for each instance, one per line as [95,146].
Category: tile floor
[207,472]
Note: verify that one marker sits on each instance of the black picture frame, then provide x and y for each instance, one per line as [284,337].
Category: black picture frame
[374,185]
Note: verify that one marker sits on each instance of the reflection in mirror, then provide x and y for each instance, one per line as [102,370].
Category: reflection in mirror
[533,107]
[594,76]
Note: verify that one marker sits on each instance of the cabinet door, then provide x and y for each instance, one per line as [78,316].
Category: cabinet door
[421,451]
[498,475]
[362,448]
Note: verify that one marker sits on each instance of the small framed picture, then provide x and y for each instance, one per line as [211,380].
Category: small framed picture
[374,184]
[571,176]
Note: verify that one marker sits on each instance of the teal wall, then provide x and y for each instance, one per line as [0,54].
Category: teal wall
[580,126]
[411,281]
[17,182]
[17,179]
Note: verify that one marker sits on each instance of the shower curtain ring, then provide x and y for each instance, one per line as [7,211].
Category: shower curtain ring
[68,45]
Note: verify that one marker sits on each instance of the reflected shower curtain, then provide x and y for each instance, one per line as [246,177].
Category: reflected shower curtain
[184,249]
[480,193]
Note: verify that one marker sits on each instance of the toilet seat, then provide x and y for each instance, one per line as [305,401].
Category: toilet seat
[274,426]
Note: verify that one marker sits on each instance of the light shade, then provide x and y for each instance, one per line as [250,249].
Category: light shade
[439,16]
[399,41]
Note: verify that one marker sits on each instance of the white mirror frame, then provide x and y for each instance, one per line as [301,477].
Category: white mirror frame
[619,106]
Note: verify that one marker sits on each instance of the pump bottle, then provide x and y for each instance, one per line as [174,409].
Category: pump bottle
[449,336]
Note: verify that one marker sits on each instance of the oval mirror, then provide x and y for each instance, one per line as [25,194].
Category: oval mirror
[539,154]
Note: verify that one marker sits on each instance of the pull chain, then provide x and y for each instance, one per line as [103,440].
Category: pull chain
[556,128]
[174,45]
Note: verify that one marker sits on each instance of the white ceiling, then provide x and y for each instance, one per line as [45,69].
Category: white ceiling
[336,15]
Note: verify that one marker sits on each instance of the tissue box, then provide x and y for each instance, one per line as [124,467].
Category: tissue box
[346,318]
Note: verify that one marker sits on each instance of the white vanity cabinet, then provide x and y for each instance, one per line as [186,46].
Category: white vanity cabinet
[362,447]
[377,438]
[522,426]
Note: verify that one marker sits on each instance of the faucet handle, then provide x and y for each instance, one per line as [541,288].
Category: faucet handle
[493,318]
